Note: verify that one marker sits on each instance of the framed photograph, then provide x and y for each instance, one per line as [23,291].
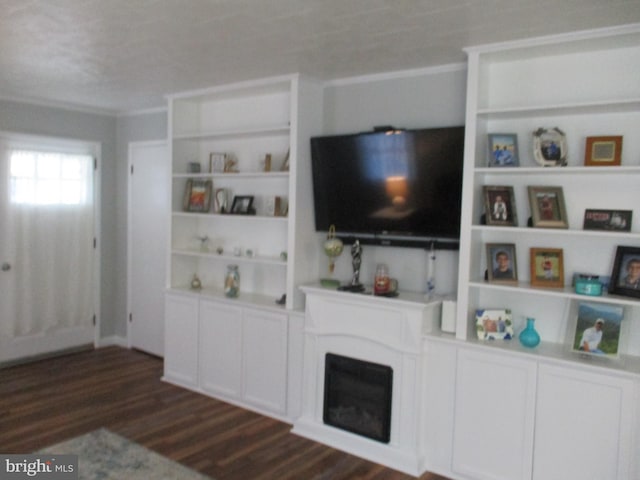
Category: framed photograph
[625,277]
[547,207]
[603,151]
[617,220]
[500,205]
[547,267]
[503,150]
[501,263]
[494,324]
[217,162]
[242,205]
[597,330]
[197,195]
[550,147]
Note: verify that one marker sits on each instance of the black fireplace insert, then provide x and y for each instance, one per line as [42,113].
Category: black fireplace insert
[357,396]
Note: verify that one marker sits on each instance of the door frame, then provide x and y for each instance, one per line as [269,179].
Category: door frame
[96,150]
[131,146]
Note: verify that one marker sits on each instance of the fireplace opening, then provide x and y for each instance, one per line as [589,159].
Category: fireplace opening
[357,396]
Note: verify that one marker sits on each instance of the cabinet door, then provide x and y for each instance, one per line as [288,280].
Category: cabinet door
[494,416]
[265,360]
[181,335]
[220,344]
[583,425]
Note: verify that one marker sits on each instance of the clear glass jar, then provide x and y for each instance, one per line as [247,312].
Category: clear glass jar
[232,281]
[381,281]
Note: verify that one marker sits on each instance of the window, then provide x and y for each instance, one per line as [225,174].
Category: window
[50,178]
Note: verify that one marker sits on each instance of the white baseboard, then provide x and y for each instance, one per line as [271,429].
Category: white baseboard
[113,340]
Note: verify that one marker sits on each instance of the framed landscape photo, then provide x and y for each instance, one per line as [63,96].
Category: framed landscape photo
[616,220]
[503,150]
[547,267]
[197,195]
[603,151]
[547,207]
[598,329]
[625,277]
[500,205]
[501,263]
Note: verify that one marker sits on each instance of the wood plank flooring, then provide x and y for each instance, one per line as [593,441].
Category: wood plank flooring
[51,400]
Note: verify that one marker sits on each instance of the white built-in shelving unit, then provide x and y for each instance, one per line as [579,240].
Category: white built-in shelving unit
[587,85]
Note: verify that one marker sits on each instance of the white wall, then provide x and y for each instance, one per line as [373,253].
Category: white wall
[432,97]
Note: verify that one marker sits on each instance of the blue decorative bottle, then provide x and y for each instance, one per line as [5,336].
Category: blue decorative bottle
[529,337]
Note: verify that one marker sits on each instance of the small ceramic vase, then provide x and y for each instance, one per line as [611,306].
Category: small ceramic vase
[529,337]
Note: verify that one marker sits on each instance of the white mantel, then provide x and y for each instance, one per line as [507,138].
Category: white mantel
[387,331]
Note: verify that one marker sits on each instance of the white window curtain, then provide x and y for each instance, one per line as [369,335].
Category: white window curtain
[48,234]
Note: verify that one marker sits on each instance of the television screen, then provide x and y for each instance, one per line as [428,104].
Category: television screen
[404,183]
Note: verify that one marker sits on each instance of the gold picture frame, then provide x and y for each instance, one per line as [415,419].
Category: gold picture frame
[603,151]
[197,195]
[547,267]
[547,207]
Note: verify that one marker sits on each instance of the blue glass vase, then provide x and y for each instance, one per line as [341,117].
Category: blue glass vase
[529,337]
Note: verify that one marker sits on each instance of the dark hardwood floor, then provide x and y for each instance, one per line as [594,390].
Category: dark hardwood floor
[47,401]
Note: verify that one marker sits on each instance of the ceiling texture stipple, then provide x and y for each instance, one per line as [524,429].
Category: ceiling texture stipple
[125,55]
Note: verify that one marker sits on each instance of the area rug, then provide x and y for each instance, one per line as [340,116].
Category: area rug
[103,455]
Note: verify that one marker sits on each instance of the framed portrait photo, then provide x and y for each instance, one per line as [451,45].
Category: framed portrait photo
[547,267]
[503,150]
[550,147]
[501,263]
[547,207]
[500,205]
[197,195]
[603,151]
[625,277]
[597,329]
[242,205]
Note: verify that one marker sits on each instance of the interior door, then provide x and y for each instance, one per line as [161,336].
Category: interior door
[149,195]
[48,258]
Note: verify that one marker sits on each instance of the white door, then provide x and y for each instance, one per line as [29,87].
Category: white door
[149,202]
[48,255]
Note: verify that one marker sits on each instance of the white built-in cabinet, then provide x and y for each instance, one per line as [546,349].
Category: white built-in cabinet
[235,352]
[587,85]
[240,349]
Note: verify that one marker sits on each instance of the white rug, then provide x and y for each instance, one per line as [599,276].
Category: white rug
[103,455]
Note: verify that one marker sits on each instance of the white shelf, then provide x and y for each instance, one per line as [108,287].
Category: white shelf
[244,299]
[606,106]
[234,176]
[566,292]
[626,236]
[235,132]
[231,217]
[258,259]
[551,171]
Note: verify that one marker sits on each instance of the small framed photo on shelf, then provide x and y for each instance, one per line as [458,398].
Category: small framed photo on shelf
[550,147]
[501,263]
[193,167]
[547,267]
[500,205]
[217,162]
[547,207]
[603,151]
[598,329]
[494,324]
[615,220]
[625,277]
[197,195]
[503,150]
[242,205]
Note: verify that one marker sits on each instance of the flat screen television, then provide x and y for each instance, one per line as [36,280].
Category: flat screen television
[392,187]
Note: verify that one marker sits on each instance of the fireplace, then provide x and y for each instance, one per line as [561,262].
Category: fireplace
[357,396]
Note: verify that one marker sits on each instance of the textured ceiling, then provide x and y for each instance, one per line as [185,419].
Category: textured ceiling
[125,55]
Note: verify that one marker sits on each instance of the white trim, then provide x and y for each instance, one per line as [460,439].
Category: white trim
[398,74]
[112,340]
[147,111]
[40,102]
